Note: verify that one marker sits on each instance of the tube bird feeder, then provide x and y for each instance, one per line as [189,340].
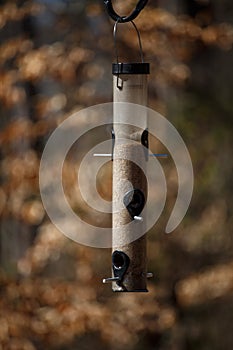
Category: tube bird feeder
[129,260]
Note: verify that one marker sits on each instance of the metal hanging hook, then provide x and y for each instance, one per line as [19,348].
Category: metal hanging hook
[123,19]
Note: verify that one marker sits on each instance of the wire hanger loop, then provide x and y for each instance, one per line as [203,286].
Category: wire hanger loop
[115,41]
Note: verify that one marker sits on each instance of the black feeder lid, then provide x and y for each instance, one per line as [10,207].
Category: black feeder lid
[130,68]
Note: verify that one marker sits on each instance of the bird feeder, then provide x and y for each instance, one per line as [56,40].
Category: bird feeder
[129,258]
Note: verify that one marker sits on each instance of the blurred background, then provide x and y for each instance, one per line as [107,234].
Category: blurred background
[55,59]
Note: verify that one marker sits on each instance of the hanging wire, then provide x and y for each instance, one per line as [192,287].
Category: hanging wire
[115,40]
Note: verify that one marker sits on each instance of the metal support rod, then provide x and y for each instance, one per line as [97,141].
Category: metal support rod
[130,88]
[139,7]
